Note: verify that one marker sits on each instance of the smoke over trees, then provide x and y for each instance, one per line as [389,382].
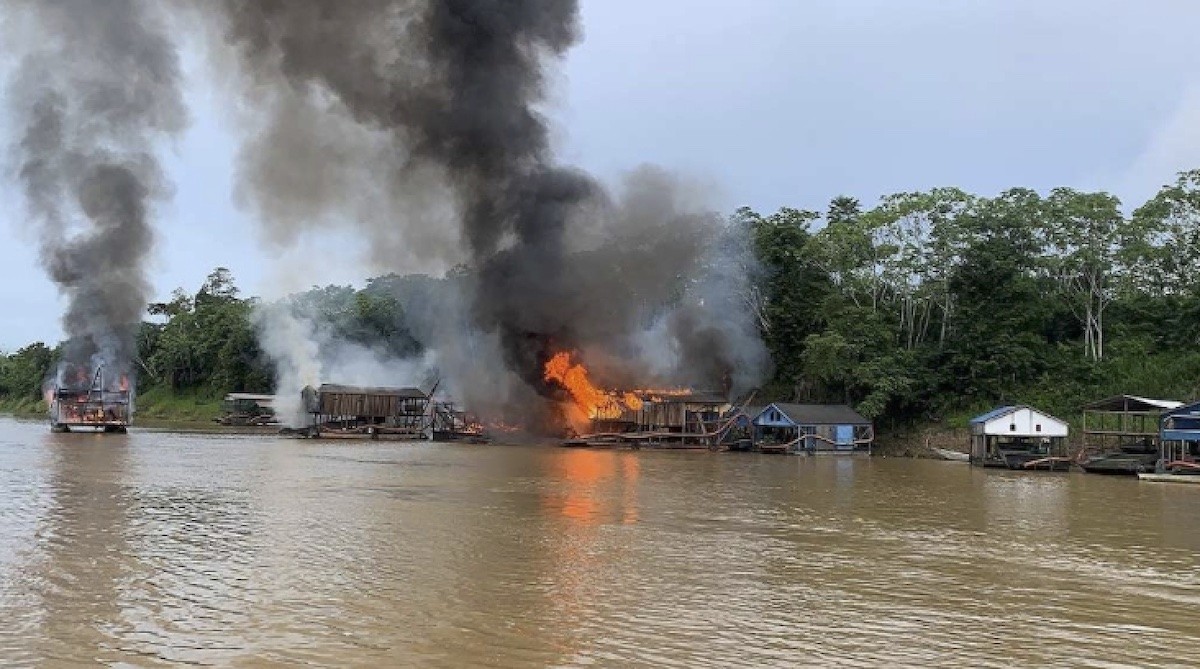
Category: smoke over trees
[96,86]
[416,125]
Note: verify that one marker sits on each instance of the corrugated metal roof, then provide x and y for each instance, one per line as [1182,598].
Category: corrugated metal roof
[250,396]
[995,413]
[694,398]
[753,410]
[372,390]
[818,414]
[1132,403]
[1184,410]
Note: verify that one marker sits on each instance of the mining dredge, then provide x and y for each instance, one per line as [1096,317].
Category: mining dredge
[96,407]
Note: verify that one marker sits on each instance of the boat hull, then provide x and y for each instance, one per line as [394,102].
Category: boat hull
[1120,464]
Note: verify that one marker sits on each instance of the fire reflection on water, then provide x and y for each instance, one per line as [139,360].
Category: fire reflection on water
[598,487]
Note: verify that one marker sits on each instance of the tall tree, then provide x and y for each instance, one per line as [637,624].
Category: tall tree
[997,345]
[793,288]
[1167,256]
[1085,234]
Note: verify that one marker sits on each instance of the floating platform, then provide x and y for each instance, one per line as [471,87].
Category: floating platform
[1029,461]
[461,437]
[1168,478]
[634,445]
[358,433]
[104,427]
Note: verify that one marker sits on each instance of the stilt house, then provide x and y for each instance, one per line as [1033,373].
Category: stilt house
[1014,436]
[1179,439]
[812,428]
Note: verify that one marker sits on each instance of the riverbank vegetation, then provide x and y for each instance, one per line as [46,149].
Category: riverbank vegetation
[920,310]
[933,305]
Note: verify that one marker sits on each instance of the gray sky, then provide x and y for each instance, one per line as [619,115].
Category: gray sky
[773,102]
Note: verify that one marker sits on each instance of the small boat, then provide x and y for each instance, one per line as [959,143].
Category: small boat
[957,456]
[1129,459]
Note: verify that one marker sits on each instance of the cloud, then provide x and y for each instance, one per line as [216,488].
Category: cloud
[1174,146]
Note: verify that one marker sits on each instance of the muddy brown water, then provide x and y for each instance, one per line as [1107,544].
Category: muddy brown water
[235,550]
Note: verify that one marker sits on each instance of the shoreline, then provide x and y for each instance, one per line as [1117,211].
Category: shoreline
[890,446]
[161,412]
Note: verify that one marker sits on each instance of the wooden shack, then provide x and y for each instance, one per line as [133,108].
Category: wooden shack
[1122,421]
[662,420]
[815,429]
[1019,437]
[1179,439]
[693,413]
[337,410]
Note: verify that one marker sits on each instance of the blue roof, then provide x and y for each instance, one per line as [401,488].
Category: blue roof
[994,413]
[1184,423]
[1185,410]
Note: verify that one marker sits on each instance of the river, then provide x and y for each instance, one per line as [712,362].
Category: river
[160,548]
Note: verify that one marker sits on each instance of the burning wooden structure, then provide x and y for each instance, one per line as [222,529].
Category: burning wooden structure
[1019,437]
[372,412]
[97,405]
[665,418]
[449,423]
[658,419]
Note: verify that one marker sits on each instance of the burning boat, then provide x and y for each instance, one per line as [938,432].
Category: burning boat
[96,405]
[662,418]
[449,423]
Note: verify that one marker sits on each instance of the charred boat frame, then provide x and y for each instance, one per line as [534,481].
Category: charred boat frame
[93,407]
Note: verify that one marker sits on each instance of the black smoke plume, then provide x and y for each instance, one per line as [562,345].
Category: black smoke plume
[97,84]
[417,123]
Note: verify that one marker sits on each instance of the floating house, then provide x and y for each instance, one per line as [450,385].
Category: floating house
[1179,438]
[247,409]
[681,414]
[1019,437]
[336,410]
[663,420]
[812,429]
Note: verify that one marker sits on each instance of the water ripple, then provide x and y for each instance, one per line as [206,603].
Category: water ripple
[219,550]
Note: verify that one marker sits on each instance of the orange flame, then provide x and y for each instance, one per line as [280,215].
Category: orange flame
[633,401]
[590,402]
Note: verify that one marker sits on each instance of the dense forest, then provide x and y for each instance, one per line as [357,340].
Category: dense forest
[924,308]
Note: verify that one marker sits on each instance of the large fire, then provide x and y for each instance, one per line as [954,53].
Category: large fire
[590,402]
